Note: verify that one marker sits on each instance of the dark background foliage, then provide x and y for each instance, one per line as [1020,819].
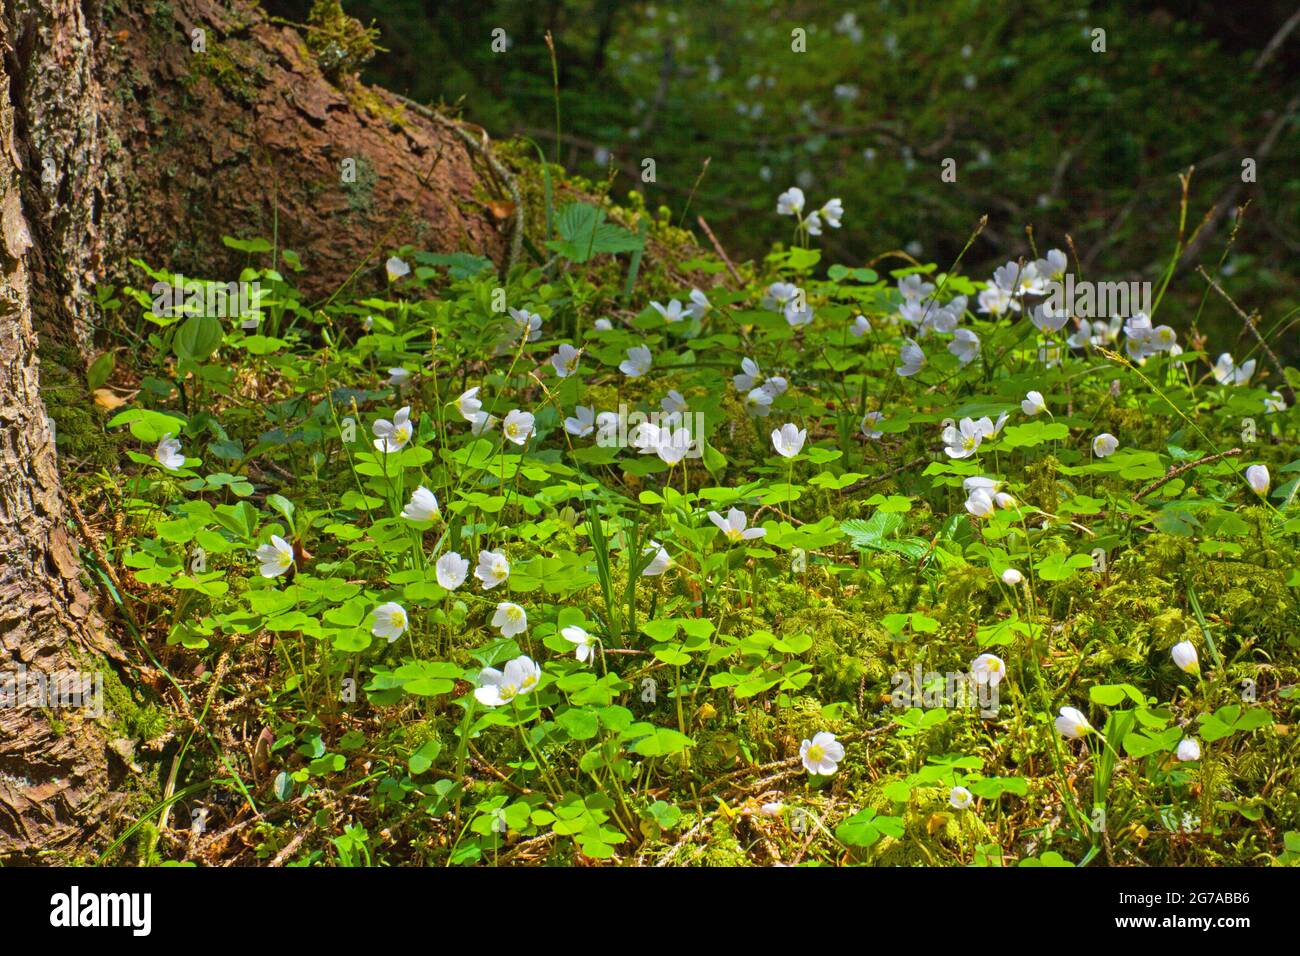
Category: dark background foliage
[1045,132]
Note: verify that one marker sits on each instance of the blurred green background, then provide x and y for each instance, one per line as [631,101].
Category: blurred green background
[1045,131]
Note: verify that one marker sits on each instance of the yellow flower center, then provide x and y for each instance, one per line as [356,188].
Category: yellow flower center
[734,534]
[285,558]
[816,754]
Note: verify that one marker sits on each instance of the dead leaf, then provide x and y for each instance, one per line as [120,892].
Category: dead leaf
[107,399]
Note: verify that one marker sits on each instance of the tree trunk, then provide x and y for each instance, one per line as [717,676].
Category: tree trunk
[150,130]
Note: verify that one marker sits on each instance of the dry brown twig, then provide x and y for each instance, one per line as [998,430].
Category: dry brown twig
[1173,473]
[1249,319]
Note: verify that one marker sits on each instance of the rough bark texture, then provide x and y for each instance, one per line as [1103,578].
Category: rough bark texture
[119,139]
[54,779]
[159,150]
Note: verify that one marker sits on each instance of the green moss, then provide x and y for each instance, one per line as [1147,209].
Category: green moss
[340,43]
[221,64]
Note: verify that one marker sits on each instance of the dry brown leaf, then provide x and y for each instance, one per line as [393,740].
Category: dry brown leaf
[107,399]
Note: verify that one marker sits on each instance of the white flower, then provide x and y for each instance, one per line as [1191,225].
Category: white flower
[995,300]
[168,453]
[869,420]
[733,525]
[1052,268]
[1030,282]
[1081,337]
[645,438]
[1104,445]
[451,570]
[396,268]
[976,483]
[914,289]
[603,325]
[832,212]
[1227,372]
[518,426]
[758,402]
[659,564]
[1011,577]
[773,809]
[582,423]
[586,643]
[276,557]
[797,312]
[943,319]
[496,688]
[391,437]
[959,798]
[1144,341]
[468,404]
[482,422]
[1072,723]
[749,377]
[510,619]
[493,569]
[963,440]
[912,358]
[1048,319]
[988,669]
[390,621]
[672,446]
[788,440]
[1033,404]
[1004,500]
[1184,655]
[674,402]
[1257,478]
[979,503]
[822,754]
[700,304]
[790,202]
[1188,750]
[637,363]
[860,327]
[672,312]
[565,360]
[398,376]
[1004,278]
[527,324]
[779,295]
[1274,402]
[775,386]
[423,506]
[965,345]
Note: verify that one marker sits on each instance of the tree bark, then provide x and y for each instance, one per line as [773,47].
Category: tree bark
[150,130]
[55,784]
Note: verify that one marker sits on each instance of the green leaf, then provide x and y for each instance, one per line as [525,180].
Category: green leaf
[423,758]
[585,233]
[197,338]
[100,371]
